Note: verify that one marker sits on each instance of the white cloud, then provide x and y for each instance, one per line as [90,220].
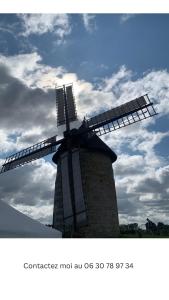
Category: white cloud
[142,182]
[125,17]
[22,64]
[6,142]
[122,75]
[124,88]
[29,69]
[6,30]
[44,23]
[89,22]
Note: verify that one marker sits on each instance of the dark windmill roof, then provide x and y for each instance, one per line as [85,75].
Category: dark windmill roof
[91,142]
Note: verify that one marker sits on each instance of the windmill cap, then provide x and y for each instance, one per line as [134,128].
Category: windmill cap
[92,143]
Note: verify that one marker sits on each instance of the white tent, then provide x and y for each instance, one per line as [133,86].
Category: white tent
[14,224]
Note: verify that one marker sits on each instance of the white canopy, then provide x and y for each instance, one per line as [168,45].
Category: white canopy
[14,224]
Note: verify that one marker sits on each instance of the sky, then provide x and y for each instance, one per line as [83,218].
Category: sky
[110,59]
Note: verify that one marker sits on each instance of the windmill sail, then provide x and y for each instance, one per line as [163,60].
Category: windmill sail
[118,111]
[60,106]
[62,93]
[29,154]
[71,104]
[131,112]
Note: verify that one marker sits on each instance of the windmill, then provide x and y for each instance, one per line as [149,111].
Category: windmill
[85,203]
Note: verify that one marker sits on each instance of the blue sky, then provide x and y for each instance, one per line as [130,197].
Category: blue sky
[111,59]
[140,42]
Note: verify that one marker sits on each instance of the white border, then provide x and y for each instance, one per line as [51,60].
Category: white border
[148,279]
[84,6]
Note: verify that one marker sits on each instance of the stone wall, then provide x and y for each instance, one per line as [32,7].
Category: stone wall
[100,195]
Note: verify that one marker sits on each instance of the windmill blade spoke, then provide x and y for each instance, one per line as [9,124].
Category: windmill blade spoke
[29,154]
[122,116]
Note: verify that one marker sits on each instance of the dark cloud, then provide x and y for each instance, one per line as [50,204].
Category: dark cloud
[128,169]
[157,184]
[128,205]
[143,196]
[30,185]
[22,107]
[161,205]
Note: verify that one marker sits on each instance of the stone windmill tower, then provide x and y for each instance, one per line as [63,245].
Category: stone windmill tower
[85,203]
[94,189]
